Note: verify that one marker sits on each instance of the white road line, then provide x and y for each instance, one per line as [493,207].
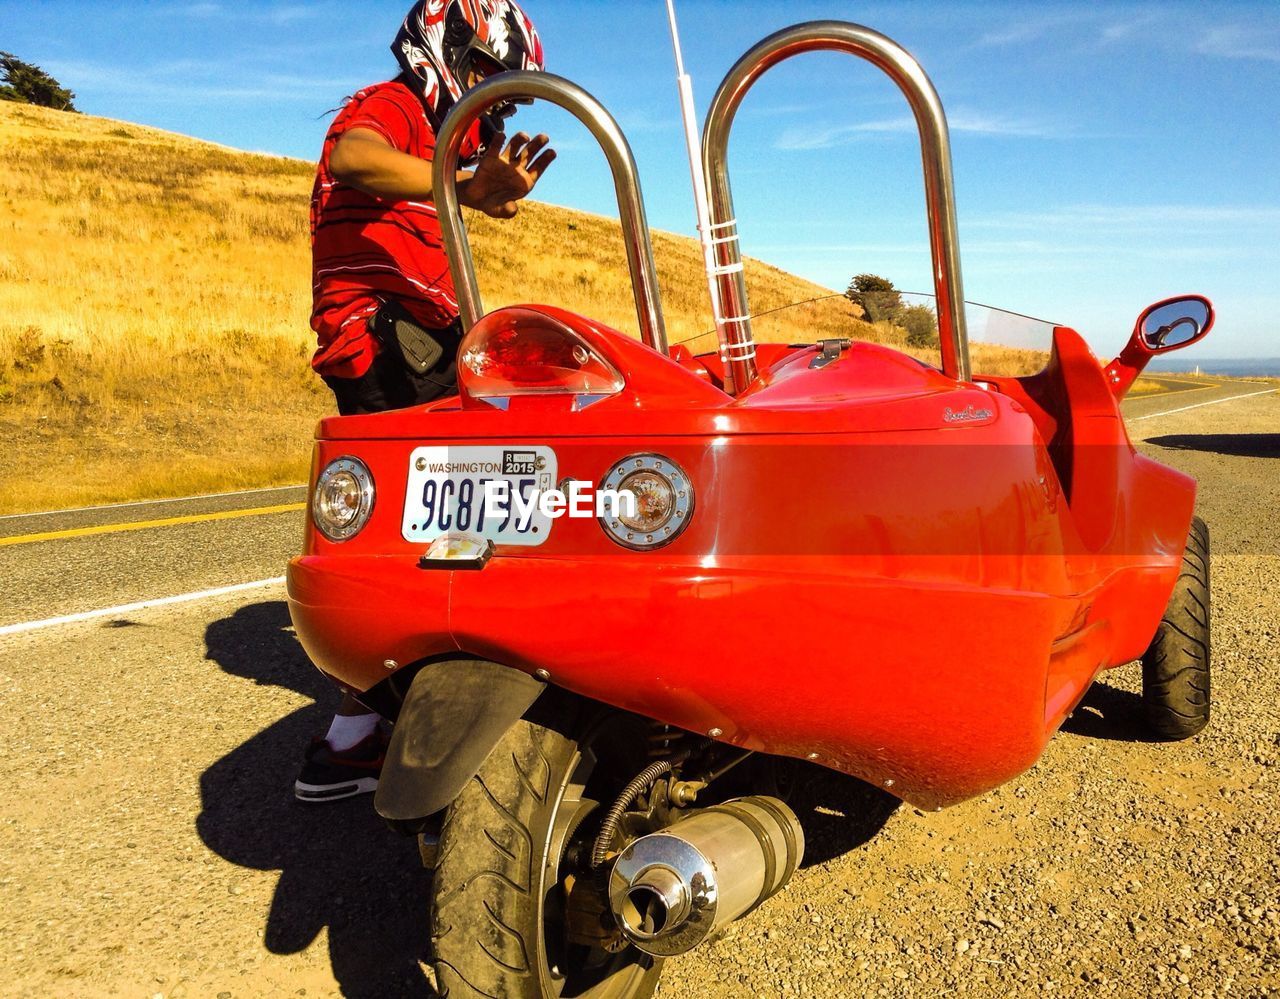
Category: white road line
[174,499]
[1211,402]
[181,598]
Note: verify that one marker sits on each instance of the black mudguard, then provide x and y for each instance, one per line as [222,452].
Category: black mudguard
[452,717]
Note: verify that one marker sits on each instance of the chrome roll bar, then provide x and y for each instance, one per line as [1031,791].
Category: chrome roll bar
[738,344]
[523,85]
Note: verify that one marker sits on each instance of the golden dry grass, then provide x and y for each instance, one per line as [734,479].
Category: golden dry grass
[155,295]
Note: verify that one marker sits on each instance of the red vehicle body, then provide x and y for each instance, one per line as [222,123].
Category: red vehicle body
[922,614]
[906,573]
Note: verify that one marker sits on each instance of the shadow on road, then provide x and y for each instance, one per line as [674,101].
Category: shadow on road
[340,866]
[1108,713]
[838,813]
[1236,445]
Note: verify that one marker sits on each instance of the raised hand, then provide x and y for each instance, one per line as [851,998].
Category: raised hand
[504,176]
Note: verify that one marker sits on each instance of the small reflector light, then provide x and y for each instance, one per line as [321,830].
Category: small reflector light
[518,351]
[457,550]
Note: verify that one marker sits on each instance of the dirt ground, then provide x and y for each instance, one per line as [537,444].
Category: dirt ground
[149,845]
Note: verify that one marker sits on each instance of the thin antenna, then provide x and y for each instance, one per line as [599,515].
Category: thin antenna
[675,39]
[701,205]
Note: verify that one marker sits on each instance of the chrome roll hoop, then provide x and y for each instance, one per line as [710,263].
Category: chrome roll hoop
[523,85]
[738,346]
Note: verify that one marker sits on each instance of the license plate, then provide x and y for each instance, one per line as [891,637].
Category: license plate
[449,490]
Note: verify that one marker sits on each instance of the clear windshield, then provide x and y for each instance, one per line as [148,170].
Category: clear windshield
[1000,342]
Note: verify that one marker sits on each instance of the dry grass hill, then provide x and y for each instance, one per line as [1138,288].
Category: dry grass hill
[155,295]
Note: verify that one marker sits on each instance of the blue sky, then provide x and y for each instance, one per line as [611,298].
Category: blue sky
[1105,155]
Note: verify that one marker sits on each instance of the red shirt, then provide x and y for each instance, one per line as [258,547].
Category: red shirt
[364,250]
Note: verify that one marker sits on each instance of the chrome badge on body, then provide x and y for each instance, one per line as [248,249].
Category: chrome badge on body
[970,414]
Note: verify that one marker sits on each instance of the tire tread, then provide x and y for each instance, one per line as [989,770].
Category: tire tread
[485,905]
[483,876]
[1175,668]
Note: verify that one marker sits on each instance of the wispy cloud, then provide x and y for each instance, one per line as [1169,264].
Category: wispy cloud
[839,249]
[1024,248]
[1122,31]
[962,121]
[276,14]
[1169,219]
[289,13]
[1234,41]
[1013,252]
[1033,29]
[1015,247]
[635,120]
[1103,26]
[978,123]
[185,80]
[779,110]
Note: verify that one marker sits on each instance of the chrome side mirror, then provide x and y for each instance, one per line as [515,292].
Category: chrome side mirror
[1162,327]
[1174,323]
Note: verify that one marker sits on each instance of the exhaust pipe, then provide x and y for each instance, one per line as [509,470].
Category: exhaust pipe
[672,889]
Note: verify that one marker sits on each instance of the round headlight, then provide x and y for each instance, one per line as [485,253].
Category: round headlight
[343,499]
[663,501]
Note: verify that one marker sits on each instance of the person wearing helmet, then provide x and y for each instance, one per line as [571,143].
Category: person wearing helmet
[384,309]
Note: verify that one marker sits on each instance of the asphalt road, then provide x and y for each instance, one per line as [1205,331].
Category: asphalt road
[50,577]
[149,845]
[1185,395]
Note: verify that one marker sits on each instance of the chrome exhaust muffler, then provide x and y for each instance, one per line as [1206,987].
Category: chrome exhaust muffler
[672,889]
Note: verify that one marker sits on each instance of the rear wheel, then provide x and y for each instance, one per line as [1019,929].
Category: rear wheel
[1175,668]
[511,844]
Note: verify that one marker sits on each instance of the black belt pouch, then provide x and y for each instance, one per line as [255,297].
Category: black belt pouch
[421,349]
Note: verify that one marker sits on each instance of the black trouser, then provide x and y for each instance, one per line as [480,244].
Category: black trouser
[391,384]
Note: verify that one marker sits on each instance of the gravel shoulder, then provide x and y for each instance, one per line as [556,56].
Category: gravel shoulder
[148,843]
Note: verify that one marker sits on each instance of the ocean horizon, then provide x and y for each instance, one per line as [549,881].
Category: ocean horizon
[1236,367]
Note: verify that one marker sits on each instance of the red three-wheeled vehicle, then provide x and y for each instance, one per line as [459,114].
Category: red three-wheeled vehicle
[603,582]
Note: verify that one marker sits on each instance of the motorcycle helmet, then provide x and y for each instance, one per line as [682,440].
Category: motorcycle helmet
[442,42]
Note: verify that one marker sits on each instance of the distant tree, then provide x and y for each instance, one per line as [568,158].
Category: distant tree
[877,297]
[28,84]
[921,325]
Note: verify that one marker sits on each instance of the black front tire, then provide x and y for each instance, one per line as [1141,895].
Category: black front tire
[1175,668]
[495,925]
